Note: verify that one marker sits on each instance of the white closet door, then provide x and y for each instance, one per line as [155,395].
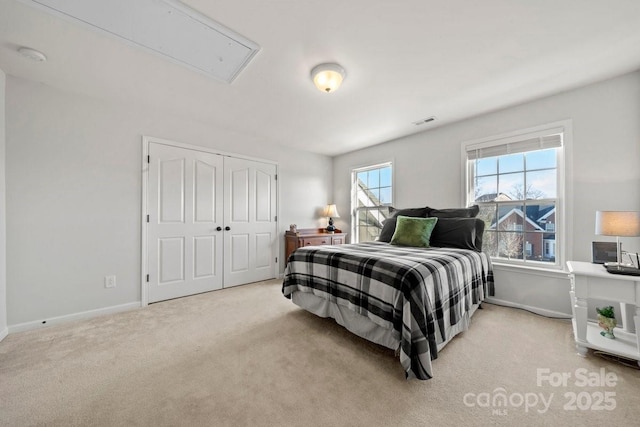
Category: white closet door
[185,198]
[250,221]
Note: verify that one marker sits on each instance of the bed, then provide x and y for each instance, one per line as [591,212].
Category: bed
[410,299]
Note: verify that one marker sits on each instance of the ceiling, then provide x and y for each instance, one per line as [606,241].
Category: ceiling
[405,61]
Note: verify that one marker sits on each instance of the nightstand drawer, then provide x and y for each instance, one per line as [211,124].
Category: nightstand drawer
[337,240]
[610,289]
[316,241]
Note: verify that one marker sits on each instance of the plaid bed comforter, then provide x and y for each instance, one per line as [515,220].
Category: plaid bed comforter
[420,294]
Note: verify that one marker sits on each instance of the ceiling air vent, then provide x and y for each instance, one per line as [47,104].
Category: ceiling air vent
[165,27]
[423,121]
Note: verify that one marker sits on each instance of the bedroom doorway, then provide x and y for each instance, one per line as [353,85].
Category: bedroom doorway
[210,221]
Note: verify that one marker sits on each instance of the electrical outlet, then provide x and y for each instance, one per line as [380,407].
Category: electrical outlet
[109,281]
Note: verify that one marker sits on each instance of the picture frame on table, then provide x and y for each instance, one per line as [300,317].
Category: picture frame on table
[602,252]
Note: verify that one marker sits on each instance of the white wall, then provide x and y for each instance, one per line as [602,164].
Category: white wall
[605,165]
[3,214]
[73,168]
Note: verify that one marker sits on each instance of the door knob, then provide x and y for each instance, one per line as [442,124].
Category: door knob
[227,228]
[219,228]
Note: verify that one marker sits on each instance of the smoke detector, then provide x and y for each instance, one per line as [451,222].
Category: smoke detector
[32,54]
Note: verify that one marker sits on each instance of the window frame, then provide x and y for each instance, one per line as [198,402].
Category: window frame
[562,247]
[354,194]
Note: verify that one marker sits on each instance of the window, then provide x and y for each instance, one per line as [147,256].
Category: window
[516,181]
[371,191]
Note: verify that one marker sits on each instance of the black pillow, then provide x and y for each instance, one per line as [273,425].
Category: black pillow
[389,224]
[463,233]
[470,212]
[413,212]
[388,228]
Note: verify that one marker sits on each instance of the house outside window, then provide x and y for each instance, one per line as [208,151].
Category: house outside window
[517,182]
[372,192]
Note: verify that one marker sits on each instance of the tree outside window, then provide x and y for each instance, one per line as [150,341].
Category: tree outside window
[516,187]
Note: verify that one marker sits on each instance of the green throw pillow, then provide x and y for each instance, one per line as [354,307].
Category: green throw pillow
[412,231]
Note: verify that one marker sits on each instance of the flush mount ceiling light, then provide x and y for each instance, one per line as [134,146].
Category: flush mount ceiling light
[34,55]
[327,77]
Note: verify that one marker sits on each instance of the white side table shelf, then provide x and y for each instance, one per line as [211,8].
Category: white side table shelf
[593,281]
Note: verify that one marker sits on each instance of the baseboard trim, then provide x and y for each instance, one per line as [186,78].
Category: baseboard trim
[37,324]
[4,333]
[536,310]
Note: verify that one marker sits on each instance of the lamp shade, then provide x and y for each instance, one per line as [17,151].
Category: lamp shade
[618,223]
[327,77]
[331,212]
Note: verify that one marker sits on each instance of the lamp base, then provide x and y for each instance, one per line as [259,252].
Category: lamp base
[618,263]
[331,228]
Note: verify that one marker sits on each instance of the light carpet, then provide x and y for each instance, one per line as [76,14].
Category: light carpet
[247,356]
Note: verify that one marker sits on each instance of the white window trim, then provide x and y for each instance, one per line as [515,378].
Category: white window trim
[352,198]
[565,188]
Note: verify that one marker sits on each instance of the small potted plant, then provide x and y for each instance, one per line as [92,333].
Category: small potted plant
[607,321]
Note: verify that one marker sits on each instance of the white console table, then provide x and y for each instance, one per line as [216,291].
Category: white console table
[593,281]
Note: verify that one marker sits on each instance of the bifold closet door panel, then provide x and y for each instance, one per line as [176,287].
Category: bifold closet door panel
[250,216]
[185,227]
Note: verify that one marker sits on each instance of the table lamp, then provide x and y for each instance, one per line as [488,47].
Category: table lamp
[619,224]
[331,212]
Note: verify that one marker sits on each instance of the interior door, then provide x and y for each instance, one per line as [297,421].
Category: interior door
[185,223]
[250,221]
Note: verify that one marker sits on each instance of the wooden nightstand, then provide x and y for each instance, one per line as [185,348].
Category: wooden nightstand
[311,237]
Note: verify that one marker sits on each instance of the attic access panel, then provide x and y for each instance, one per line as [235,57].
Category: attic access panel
[165,27]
